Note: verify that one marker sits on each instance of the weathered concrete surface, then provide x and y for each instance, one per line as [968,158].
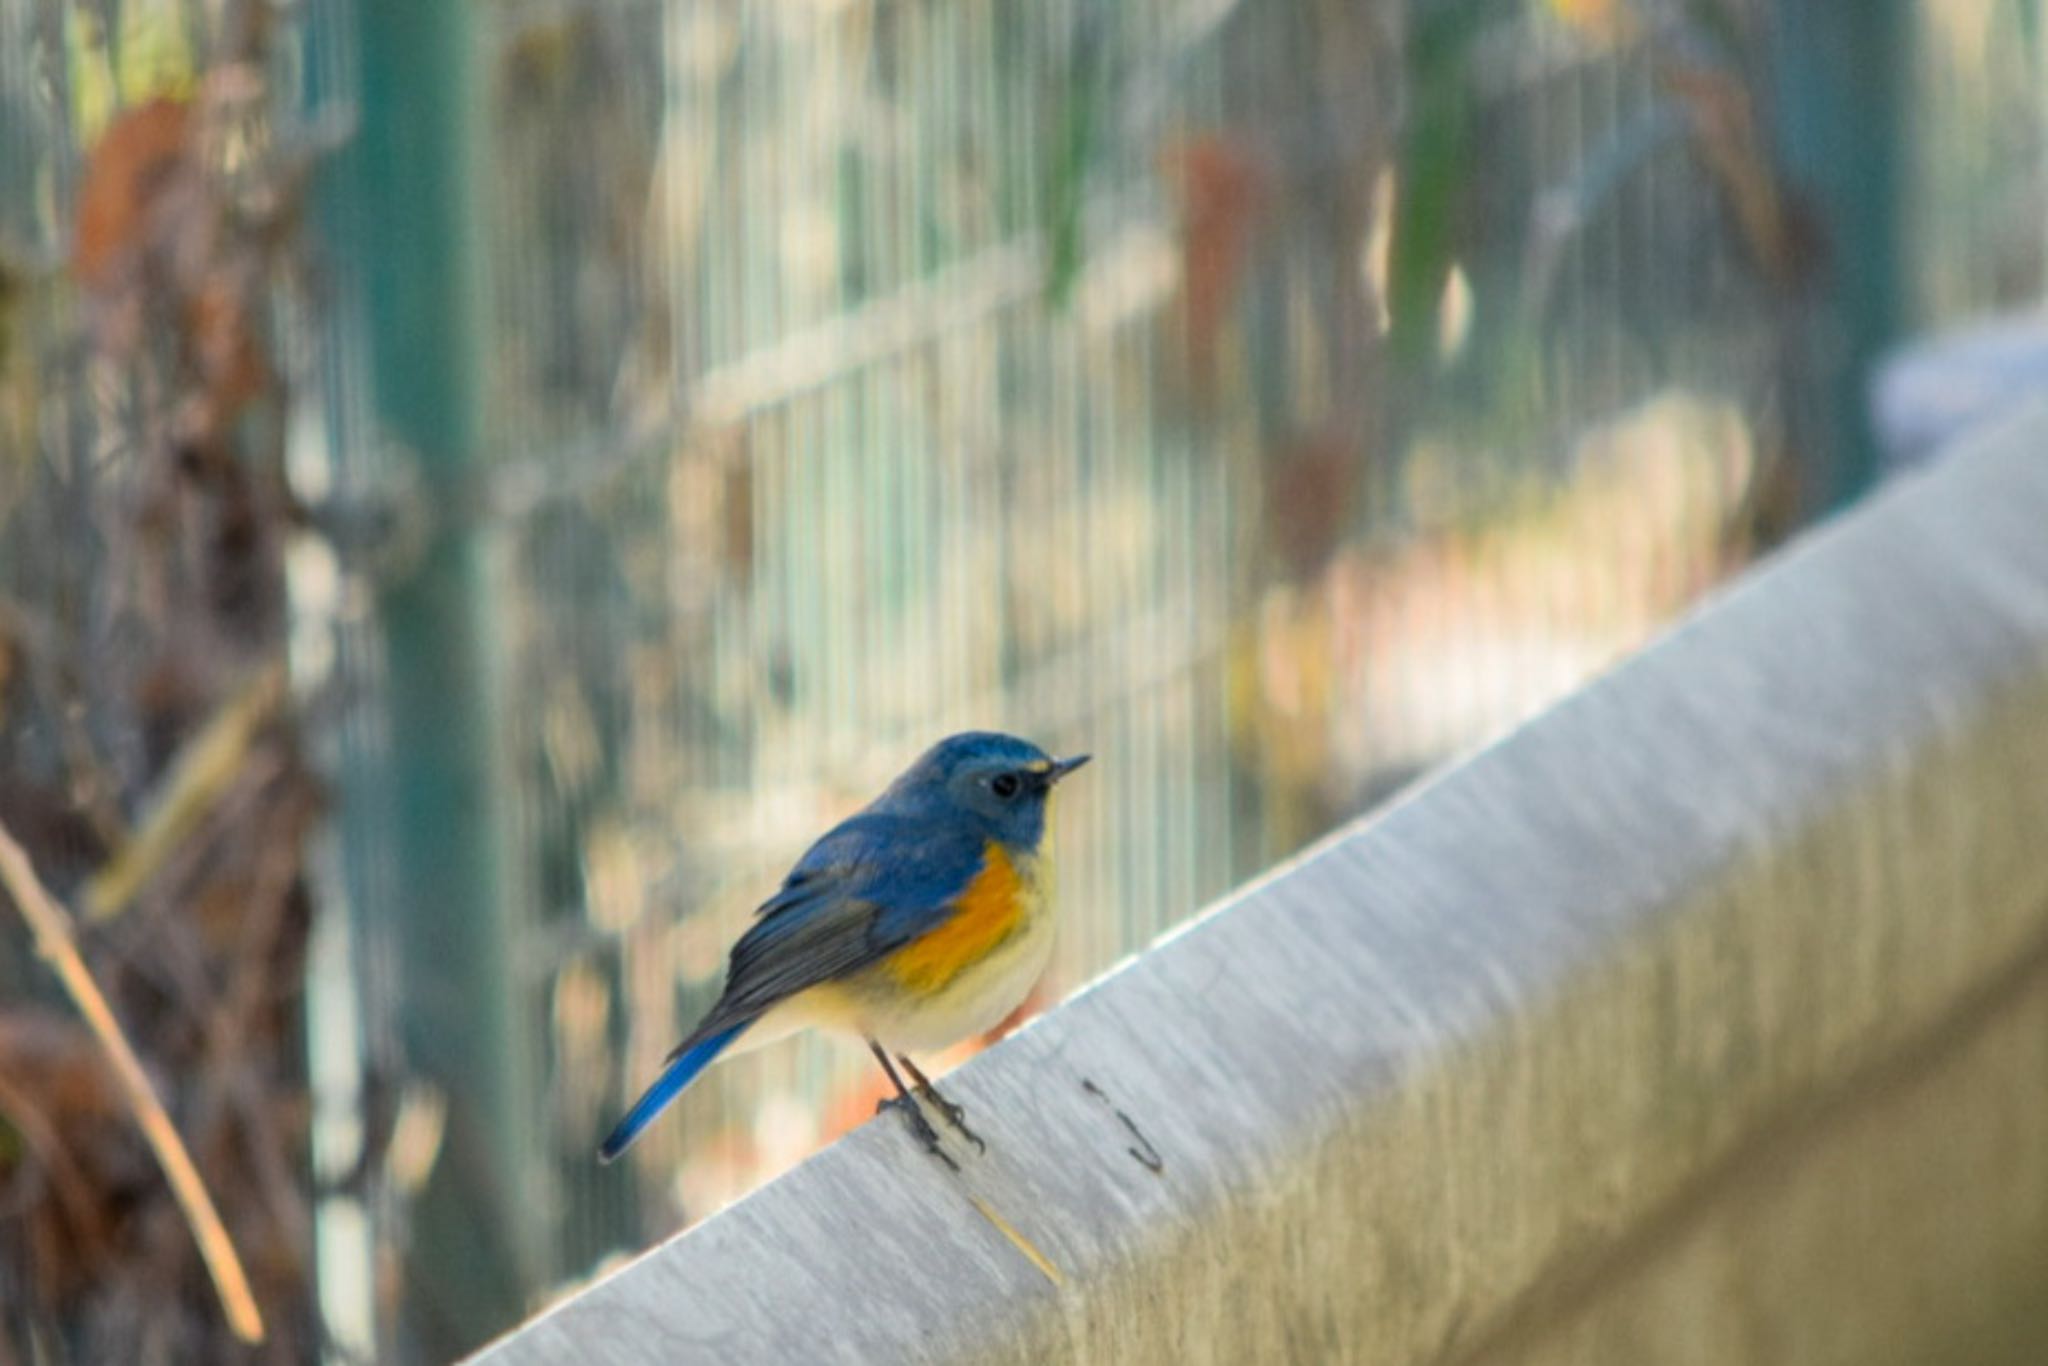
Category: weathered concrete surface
[1705,1019]
[1904,1219]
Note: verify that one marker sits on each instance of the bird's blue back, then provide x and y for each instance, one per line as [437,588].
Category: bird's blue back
[874,882]
[882,877]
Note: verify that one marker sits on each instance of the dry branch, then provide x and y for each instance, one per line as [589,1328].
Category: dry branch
[205,769]
[54,940]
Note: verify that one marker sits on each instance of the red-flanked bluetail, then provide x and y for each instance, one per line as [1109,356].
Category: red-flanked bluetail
[921,920]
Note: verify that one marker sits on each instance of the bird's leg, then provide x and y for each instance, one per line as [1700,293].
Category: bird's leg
[903,1101]
[956,1115]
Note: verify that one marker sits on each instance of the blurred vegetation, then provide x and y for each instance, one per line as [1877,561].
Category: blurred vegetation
[148,763]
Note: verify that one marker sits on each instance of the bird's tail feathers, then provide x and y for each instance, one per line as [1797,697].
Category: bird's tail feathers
[683,1066]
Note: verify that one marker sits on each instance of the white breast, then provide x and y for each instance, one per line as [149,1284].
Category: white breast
[978,998]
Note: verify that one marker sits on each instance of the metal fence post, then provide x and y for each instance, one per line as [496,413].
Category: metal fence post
[1839,83]
[414,245]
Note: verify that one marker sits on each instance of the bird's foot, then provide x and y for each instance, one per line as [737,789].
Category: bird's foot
[920,1128]
[956,1115]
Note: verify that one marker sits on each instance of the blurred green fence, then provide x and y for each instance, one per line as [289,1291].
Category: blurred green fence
[698,408]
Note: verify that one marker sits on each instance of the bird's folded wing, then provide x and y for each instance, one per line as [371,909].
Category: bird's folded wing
[867,888]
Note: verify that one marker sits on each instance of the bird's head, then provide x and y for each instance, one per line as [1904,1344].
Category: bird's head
[999,780]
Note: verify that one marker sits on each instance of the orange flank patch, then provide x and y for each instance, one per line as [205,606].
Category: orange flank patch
[988,911]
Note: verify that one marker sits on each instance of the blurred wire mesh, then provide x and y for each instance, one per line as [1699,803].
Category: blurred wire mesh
[1272,399]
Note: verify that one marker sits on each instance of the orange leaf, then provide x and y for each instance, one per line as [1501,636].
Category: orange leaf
[125,172]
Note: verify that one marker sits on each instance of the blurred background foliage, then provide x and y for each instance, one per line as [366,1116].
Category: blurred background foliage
[636,429]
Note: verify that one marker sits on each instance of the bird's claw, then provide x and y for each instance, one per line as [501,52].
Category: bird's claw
[920,1127]
[956,1115]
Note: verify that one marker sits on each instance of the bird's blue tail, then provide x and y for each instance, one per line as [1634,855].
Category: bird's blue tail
[681,1071]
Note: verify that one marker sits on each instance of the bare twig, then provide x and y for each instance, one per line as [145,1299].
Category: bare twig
[52,929]
[206,767]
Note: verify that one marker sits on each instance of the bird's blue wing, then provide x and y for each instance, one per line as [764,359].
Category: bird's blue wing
[867,888]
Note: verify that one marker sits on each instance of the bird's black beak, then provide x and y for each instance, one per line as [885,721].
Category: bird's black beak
[1062,767]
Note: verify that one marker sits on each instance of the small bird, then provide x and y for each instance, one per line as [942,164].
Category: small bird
[921,920]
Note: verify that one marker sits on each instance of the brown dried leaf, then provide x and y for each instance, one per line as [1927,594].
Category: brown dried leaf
[128,169]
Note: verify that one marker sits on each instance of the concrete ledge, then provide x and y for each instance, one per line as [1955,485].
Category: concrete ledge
[1703,1019]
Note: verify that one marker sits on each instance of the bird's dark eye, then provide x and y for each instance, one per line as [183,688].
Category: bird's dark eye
[1004,785]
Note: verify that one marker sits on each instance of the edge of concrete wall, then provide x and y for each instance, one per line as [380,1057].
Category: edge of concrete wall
[1423,1087]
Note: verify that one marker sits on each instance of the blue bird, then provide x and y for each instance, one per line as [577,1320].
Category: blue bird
[919,921]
